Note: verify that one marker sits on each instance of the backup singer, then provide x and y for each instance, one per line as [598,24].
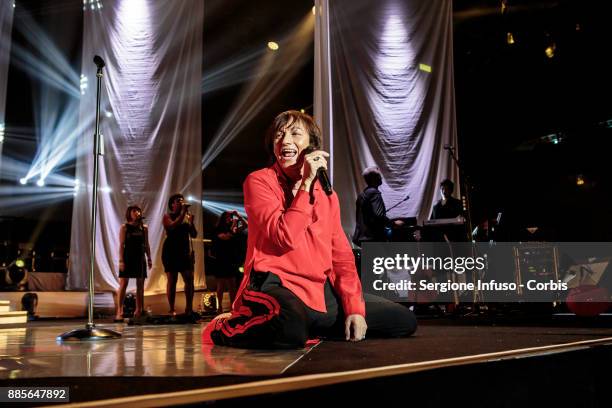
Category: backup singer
[133,247]
[228,250]
[300,277]
[177,253]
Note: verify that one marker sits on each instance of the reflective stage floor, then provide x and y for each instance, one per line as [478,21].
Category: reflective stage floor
[161,365]
[150,350]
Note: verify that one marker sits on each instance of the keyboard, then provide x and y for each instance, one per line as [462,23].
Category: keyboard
[440,222]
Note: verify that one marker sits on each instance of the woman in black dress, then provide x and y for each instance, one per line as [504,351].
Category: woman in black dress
[134,257]
[228,250]
[177,253]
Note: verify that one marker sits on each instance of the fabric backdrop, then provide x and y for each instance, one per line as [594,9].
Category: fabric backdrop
[377,103]
[6,24]
[151,122]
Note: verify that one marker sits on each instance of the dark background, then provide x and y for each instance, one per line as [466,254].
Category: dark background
[509,98]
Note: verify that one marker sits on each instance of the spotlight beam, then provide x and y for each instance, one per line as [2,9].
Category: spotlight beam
[289,59]
[16,205]
[234,72]
[51,63]
[218,207]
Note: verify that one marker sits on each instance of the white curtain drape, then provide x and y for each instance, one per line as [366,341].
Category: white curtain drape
[151,123]
[384,73]
[6,25]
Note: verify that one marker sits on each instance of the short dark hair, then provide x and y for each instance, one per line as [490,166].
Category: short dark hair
[172,198]
[372,176]
[222,224]
[27,302]
[448,183]
[128,212]
[285,119]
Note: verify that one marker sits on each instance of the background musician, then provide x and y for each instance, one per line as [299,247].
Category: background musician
[371,214]
[448,207]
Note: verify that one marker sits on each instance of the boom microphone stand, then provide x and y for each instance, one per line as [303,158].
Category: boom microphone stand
[465,188]
[466,199]
[90,332]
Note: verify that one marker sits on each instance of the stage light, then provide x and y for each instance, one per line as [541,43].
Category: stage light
[108,114]
[550,50]
[84,81]
[40,182]
[554,138]
[509,38]
[93,4]
[302,110]
[314,10]
[23,181]
[425,68]
[273,46]
[191,198]
[57,129]
[17,276]
[579,180]
[1,133]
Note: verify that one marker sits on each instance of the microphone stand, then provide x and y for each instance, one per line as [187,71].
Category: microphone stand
[405,199]
[465,188]
[466,199]
[91,332]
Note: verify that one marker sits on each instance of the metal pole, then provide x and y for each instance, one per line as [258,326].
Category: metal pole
[91,332]
[94,200]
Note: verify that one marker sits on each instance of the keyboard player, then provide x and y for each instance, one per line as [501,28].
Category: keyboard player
[448,207]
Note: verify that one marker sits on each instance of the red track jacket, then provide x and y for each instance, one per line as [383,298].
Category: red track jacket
[302,243]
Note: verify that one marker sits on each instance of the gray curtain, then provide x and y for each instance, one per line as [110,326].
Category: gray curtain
[151,122]
[384,96]
[6,24]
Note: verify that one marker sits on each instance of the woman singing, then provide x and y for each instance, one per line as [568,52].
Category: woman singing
[133,246]
[177,253]
[228,249]
[300,276]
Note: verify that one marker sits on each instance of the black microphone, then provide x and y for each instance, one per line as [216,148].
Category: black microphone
[324,180]
[321,174]
[99,62]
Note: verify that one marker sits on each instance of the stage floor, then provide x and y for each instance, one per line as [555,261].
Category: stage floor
[170,358]
[148,351]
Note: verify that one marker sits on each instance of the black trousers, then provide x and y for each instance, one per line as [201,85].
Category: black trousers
[273,317]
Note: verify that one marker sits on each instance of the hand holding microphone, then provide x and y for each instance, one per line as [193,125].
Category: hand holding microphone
[315,166]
